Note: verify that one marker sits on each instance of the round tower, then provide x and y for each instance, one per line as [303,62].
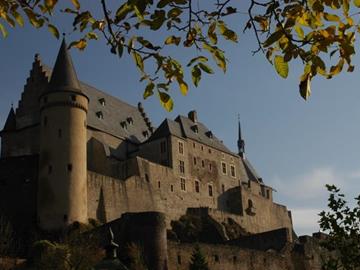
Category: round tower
[62,187]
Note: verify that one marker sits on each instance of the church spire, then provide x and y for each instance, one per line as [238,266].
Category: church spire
[240,142]
[10,123]
[64,75]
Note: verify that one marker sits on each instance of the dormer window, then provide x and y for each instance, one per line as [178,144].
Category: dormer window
[130,120]
[102,101]
[72,97]
[146,134]
[123,124]
[100,115]
[195,128]
[209,134]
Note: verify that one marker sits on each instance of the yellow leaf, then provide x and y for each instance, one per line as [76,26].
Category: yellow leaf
[80,44]
[138,60]
[76,4]
[166,101]
[53,30]
[19,19]
[172,40]
[50,4]
[299,31]
[357,3]
[305,86]
[3,30]
[281,66]
[331,17]
[183,86]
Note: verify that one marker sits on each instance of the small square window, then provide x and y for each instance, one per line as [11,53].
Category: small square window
[130,120]
[100,115]
[102,101]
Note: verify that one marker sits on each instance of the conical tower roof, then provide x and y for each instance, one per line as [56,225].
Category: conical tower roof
[10,123]
[64,76]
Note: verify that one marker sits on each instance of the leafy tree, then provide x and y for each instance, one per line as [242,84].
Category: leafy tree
[308,31]
[343,225]
[198,261]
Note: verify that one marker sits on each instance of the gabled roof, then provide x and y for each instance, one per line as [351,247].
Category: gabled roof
[251,172]
[166,128]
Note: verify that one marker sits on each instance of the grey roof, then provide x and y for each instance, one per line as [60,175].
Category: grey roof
[251,172]
[187,127]
[64,75]
[10,123]
[106,113]
[182,127]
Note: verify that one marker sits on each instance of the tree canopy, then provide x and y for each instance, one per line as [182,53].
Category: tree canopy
[320,34]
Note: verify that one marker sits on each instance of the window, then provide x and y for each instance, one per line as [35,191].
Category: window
[232,170]
[209,151]
[102,101]
[45,121]
[182,184]
[147,179]
[210,167]
[216,258]
[172,188]
[203,163]
[59,133]
[223,167]
[194,160]
[194,145]
[65,218]
[179,259]
[49,169]
[268,194]
[181,166]
[202,148]
[145,134]
[130,120]
[72,97]
[69,167]
[159,184]
[99,115]
[210,190]
[223,188]
[181,148]
[222,155]
[163,147]
[197,186]
[123,124]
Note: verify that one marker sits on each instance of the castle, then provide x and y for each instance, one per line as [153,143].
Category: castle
[70,152]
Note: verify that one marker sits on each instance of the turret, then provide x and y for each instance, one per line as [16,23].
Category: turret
[62,190]
[10,126]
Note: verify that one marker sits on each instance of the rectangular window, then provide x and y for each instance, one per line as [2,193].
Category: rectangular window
[197,186]
[209,151]
[210,167]
[223,167]
[194,160]
[268,194]
[171,188]
[232,170]
[210,190]
[69,167]
[72,97]
[159,184]
[181,166]
[181,148]
[182,184]
[203,163]
[223,188]
[163,147]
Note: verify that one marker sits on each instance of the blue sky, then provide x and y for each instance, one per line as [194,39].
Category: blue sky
[296,146]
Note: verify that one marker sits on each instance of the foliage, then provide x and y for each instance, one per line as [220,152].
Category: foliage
[309,31]
[77,251]
[198,261]
[343,225]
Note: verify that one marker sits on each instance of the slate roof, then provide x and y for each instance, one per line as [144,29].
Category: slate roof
[251,172]
[113,112]
[10,123]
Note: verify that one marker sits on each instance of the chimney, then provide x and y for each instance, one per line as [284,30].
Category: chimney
[192,115]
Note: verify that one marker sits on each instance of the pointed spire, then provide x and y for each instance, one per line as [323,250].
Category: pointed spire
[240,142]
[10,123]
[64,76]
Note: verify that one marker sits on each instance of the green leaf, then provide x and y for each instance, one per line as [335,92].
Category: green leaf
[138,60]
[196,75]
[331,17]
[50,4]
[149,90]
[273,38]
[172,40]
[53,30]
[281,66]
[19,19]
[357,3]
[92,35]
[166,101]
[76,4]
[174,12]
[80,44]
[227,33]
[163,3]
[299,31]
[122,11]
[199,58]
[3,31]
[220,59]
[206,68]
